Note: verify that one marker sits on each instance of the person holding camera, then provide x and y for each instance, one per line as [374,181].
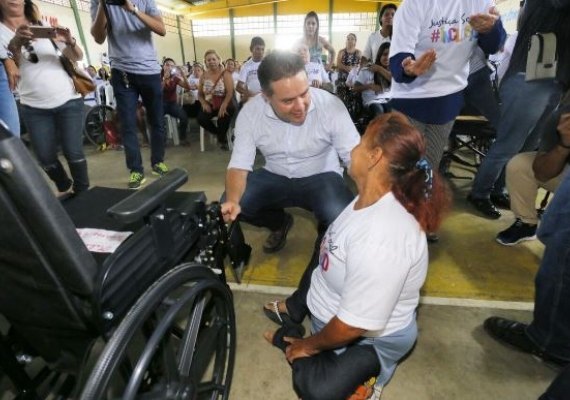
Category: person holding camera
[172,78]
[51,107]
[128,25]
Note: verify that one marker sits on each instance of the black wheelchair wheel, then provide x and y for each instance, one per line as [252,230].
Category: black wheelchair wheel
[93,129]
[176,342]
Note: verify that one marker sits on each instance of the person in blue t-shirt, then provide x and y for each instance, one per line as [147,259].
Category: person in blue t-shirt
[135,72]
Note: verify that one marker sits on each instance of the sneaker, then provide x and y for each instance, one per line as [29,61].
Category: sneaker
[159,169]
[502,200]
[370,390]
[432,237]
[485,207]
[516,233]
[136,180]
[277,239]
[513,334]
[377,392]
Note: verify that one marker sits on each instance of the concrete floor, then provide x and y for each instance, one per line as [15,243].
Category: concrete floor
[453,359]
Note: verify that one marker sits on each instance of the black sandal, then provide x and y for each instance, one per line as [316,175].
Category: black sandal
[275,315]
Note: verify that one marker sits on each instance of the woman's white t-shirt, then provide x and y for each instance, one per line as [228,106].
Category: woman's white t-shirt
[316,72]
[372,264]
[443,25]
[44,84]
[366,77]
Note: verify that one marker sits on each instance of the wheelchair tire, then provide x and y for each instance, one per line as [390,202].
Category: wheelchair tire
[93,129]
[193,361]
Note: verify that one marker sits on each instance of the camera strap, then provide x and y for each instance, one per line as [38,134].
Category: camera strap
[106,11]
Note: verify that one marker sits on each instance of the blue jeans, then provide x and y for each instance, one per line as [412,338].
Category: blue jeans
[50,128]
[523,105]
[8,109]
[127,88]
[550,328]
[175,110]
[390,349]
[267,194]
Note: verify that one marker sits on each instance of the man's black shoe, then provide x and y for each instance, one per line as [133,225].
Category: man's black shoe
[485,207]
[513,334]
[277,239]
[502,200]
[432,237]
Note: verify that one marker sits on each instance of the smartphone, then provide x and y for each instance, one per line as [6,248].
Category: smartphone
[43,32]
[173,71]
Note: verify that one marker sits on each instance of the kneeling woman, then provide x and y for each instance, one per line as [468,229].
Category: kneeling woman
[373,262]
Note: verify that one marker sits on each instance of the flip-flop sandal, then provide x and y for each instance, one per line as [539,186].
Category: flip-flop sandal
[274,315]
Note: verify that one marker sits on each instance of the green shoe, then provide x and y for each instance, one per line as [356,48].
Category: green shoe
[159,169]
[136,180]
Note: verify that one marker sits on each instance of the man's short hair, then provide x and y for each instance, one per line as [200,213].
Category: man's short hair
[383,10]
[256,41]
[276,66]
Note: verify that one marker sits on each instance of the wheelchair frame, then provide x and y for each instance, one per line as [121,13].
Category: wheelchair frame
[164,315]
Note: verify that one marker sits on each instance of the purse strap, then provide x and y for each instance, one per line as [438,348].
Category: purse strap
[66,63]
[217,80]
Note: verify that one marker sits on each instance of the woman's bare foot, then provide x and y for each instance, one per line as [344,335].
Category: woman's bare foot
[268,335]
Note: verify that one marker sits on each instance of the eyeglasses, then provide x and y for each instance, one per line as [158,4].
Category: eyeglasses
[30,54]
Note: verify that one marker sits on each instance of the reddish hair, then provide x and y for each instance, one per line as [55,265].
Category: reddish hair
[404,146]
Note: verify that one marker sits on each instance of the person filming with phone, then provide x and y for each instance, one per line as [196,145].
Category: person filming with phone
[128,25]
[51,107]
[172,78]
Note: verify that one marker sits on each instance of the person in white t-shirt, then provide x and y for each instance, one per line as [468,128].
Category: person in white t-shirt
[373,261]
[316,73]
[248,83]
[51,107]
[375,86]
[429,60]
[375,40]
[230,65]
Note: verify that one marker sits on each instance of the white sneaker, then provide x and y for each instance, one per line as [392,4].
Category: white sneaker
[377,392]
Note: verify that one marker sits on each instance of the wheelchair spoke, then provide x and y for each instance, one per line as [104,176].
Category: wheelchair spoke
[190,337]
[169,362]
[153,344]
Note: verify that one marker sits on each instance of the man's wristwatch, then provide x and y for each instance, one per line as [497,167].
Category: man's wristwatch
[135,10]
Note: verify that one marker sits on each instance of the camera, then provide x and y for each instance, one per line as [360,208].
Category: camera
[173,71]
[116,2]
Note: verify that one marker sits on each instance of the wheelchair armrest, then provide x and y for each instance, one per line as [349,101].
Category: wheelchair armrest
[140,204]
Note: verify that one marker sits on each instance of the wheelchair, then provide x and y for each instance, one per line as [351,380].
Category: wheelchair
[469,141]
[151,319]
[95,120]
[100,117]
